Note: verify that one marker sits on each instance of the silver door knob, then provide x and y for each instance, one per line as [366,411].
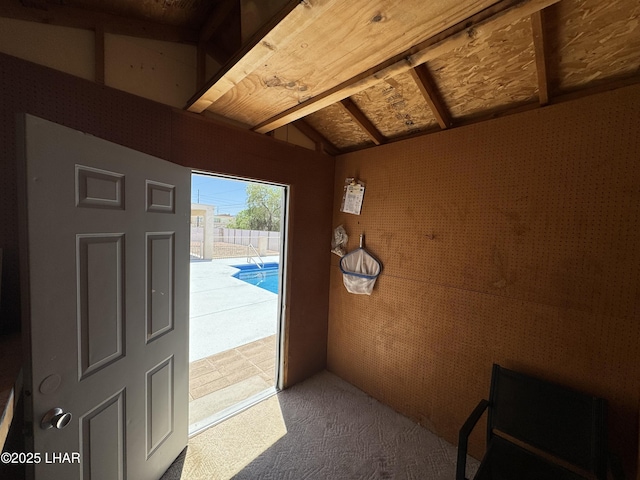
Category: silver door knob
[55,418]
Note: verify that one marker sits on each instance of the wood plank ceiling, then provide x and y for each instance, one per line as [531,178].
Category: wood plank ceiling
[356,74]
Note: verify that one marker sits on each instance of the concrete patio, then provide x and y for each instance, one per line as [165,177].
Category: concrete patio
[226,312]
[232,340]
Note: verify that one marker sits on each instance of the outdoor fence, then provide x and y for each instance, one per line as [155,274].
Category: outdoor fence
[232,243]
[245,237]
[197,242]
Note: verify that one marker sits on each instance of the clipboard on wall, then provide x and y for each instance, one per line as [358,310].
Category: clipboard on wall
[353,196]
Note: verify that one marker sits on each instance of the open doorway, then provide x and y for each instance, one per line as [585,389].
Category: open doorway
[237,264]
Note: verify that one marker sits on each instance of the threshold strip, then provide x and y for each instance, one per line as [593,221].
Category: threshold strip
[231,411]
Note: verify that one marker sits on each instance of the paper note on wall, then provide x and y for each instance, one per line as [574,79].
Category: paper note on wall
[353,196]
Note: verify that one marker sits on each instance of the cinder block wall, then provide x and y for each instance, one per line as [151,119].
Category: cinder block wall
[514,241]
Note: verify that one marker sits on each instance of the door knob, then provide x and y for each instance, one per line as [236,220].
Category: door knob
[55,418]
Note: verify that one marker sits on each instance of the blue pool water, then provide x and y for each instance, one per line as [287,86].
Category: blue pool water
[266,277]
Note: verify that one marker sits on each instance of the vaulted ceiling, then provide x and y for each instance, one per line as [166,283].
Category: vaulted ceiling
[356,74]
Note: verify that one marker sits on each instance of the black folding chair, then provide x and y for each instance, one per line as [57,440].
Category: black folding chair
[538,430]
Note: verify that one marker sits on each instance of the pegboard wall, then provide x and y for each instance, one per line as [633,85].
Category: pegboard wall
[76,103]
[514,241]
[194,142]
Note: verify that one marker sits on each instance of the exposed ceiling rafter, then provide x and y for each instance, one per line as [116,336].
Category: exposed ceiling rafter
[382,62]
[216,50]
[459,36]
[216,19]
[220,35]
[429,90]
[361,119]
[254,53]
[322,143]
[540,47]
[301,18]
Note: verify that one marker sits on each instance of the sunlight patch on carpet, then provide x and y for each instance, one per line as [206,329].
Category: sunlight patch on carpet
[237,442]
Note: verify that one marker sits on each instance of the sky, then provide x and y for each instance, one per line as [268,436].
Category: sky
[228,196]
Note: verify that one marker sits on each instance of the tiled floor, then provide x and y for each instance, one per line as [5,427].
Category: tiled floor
[222,370]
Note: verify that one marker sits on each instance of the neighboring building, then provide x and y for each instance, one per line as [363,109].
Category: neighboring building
[223,220]
[204,225]
[202,229]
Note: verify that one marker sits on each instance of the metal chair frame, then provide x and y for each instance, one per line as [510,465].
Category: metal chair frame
[549,425]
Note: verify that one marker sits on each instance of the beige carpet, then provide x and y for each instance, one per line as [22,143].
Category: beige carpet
[323,428]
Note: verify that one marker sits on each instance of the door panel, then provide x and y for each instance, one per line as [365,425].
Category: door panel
[159,287]
[108,282]
[100,280]
[102,431]
[159,392]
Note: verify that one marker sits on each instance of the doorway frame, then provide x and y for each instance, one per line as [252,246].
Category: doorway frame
[282,302]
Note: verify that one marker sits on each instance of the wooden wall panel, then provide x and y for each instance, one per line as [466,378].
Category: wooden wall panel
[336,125]
[161,71]
[512,241]
[69,50]
[195,142]
[592,41]
[490,73]
[396,107]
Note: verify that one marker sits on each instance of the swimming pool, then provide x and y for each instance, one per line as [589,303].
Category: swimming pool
[266,277]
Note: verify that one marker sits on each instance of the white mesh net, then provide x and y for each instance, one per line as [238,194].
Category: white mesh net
[359,271]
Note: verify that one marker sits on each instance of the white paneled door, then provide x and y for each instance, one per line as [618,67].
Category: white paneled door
[107,306]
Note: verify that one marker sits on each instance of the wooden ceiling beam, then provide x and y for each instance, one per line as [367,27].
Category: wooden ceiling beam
[504,112]
[424,80]
[464,33]
[254,52]
[322,144]
[307,26]
[74,17]
[217,50]
[540,48]
[205,46]
[216,19]
[361,119]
